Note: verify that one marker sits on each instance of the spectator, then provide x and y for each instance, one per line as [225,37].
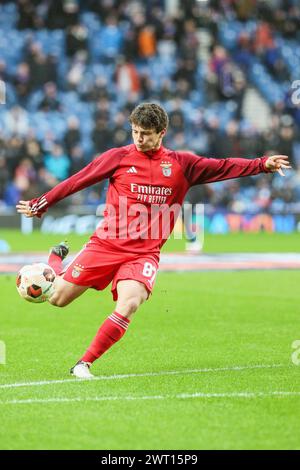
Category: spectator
[46,180]
[26,14]
[13,152]
[26,170]
[4,176]
[270,137]
[50,101]
[147,42]
[104,9]
[57,163]
[147,91]
[286,140]
[218,60]
[251,142]
[98,90]
[189,42]
[73,135]
[167,90]
[176,117]
[22,81]
[186,70]
[76,72]
[38,64]
[111,39]
[239,93]
[77,159]
[183,89]
[33,150]
[14,190]
[186,62]
[127,78]
[62,14]
[120,135]
[16,121]
[130,45]
[102,110]
[101,136]
[4,75]
[230,144]
[76,40]
[263,38]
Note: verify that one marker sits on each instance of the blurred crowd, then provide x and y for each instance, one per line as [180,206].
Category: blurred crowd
[77,69]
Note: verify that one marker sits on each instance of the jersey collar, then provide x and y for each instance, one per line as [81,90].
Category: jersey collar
[153,155]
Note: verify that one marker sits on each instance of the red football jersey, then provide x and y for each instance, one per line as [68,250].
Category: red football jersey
[145,192]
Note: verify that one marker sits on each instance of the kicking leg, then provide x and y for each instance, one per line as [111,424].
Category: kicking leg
[57,255]
[65,292]
[131,294]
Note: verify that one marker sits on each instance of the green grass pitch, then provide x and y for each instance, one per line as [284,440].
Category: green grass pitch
[205,364]
[235,242]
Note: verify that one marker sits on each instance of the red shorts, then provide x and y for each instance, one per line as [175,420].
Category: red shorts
[96,266]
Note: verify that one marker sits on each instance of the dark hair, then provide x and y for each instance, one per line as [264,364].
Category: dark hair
[149,116]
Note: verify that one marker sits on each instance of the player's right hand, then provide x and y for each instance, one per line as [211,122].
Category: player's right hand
[24,208]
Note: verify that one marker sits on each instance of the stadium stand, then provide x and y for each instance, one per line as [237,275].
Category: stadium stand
[73,70]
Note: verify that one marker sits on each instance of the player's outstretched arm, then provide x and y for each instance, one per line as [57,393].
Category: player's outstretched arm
[200,170]
[100,168]
[24,208]
[278,163]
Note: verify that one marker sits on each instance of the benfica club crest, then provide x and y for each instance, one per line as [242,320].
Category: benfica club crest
[77,270]
[166,168]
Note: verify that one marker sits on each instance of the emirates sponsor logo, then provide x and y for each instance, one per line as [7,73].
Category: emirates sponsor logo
[152,190]
[151,194]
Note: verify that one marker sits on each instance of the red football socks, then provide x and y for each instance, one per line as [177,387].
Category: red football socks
[55,262]
[111,331]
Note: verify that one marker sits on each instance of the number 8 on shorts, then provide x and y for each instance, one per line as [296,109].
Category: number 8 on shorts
[149,271]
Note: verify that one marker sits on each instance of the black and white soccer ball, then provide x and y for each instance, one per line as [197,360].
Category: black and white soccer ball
[35,282]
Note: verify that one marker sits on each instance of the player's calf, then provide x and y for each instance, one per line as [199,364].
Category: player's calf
[131,294]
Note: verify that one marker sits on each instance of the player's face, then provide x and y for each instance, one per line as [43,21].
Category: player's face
[146,139]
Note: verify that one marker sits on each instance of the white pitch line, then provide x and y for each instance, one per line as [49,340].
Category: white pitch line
[180,396]
[147,374]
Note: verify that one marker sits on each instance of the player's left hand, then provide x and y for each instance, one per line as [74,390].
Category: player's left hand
[278,163]
[24,208]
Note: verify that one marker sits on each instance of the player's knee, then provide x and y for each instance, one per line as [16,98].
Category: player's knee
[58,300]
[132,304]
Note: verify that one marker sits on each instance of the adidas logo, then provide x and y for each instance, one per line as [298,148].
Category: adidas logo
[131,170]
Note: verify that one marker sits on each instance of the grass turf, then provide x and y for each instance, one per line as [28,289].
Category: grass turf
[193,321]
[235,242]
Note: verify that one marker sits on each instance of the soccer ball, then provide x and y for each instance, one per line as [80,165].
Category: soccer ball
[35,282]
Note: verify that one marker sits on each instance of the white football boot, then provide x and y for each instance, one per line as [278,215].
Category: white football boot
[82,370]
[193,247]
